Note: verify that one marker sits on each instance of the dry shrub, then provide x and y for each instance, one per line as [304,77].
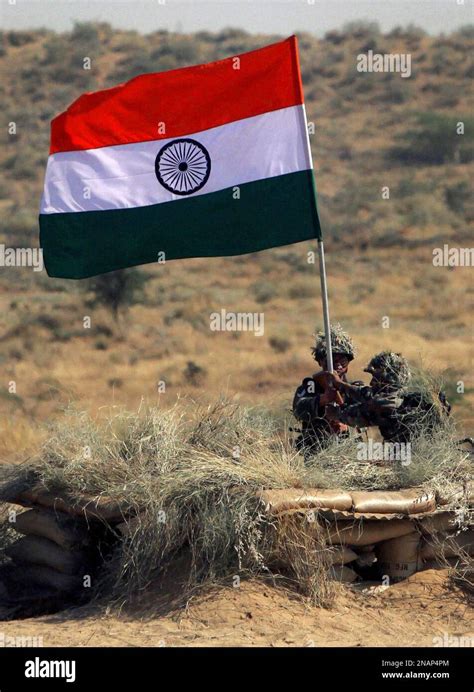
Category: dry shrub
[7,534]
[298,547]
[190,477]
[460,564]
[190,482]
[462,574]
[437,463]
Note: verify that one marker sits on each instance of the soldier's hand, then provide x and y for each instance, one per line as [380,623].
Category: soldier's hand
[335,380]
[326,398]
[332,412]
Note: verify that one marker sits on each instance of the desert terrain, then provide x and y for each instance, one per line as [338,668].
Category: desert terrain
[63,344]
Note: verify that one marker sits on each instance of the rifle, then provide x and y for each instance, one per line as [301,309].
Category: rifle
[325,380]
[333,398]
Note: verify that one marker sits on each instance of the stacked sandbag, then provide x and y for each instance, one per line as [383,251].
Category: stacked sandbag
[64,541]
[399,557]
[287,499]
[343,574]
[341,504]
[52,526]
[441,550]
[376,532]
[389,545]
[341,555]
[447,535]
[363,533]
[406,502]
[460,496]
[451,545]
[84,507]
[55,550]
[442,522]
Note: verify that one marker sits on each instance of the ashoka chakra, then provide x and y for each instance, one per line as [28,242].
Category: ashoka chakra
[183,166]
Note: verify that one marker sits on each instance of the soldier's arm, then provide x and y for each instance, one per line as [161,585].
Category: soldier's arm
[355,392]
[355,415]
[373,411]
[368,409]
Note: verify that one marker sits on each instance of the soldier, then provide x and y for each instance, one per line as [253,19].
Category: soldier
[312,398]
[386,403]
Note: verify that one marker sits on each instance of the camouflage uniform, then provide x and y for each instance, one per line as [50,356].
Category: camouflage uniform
[316,429]
[388,404]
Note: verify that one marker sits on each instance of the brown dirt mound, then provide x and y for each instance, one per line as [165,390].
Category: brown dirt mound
[257,614]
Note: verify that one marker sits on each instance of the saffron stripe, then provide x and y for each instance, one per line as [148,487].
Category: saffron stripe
[171,104]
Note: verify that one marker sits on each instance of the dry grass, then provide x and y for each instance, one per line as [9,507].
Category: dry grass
[192,482]
[191,474]
[7,534]
[460,564]
[462,574]
[436,461]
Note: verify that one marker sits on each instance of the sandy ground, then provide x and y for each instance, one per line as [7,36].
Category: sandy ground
[412,613]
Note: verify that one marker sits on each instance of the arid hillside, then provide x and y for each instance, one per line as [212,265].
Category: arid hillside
[393,170]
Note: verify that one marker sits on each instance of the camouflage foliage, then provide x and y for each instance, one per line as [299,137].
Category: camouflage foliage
[391,368]
[341,343]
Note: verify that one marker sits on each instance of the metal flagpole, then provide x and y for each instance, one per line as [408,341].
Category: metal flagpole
[324,296]
[322,270]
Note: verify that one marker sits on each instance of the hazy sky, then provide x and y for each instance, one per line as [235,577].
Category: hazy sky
[263,16]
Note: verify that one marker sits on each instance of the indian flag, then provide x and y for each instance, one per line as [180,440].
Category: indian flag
[211,160]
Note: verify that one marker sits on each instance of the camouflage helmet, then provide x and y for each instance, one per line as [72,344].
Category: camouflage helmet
[340,341]
[391,368]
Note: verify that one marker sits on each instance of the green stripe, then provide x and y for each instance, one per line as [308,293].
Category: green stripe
[271,212]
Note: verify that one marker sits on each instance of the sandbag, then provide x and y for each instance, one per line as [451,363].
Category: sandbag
[46,576]
[440,521]
[342,573]
[458,495]
[368,532]
[410,501]
[341,555]
[99,507]
[42,551]
[400,557]
[37,522]
[295,498]
[448,546]
[128,528]
[367,548]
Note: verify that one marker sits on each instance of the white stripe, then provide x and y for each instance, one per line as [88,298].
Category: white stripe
[123,176]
